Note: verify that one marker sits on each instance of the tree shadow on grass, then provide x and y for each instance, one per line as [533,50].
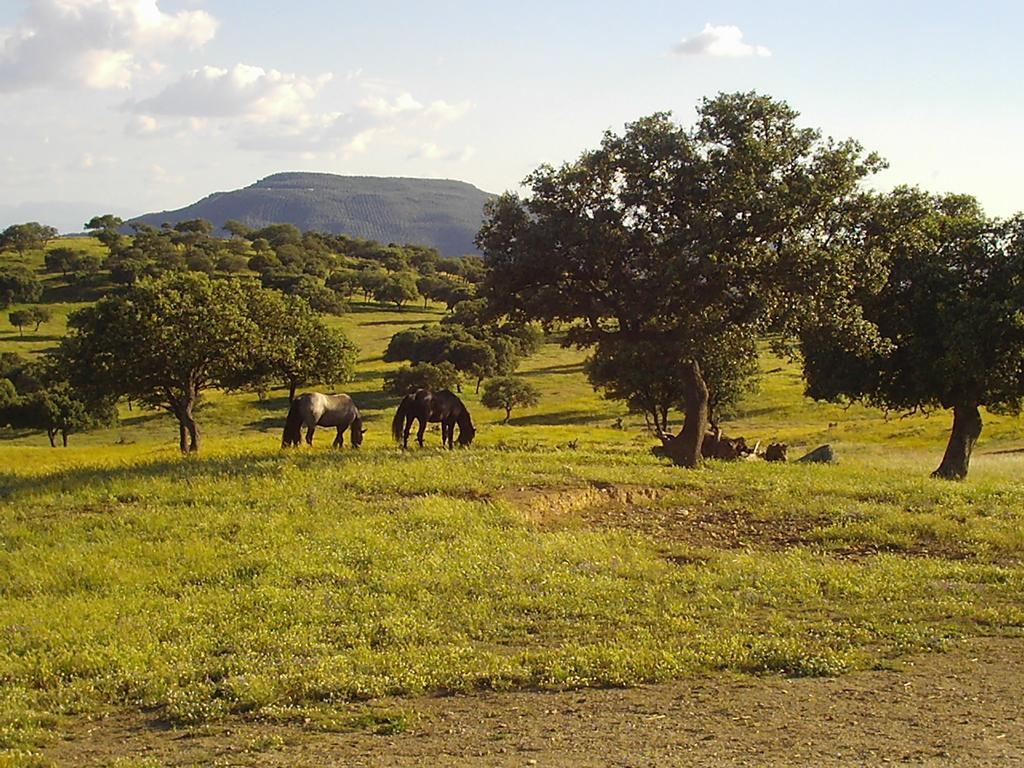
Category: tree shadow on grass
[77,292]
[563,368]
[31,337]
[184,470]
[561,418]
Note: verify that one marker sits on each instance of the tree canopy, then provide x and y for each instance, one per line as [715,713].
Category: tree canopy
[691,233]
[940,318]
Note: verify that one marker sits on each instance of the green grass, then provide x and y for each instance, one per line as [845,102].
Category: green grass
[281,585]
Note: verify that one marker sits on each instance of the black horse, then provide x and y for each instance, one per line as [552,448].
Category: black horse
[426,406]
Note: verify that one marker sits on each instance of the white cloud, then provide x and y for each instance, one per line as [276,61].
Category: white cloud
[271,111]
[93,43]
[725,41]
[405,104]
[142,125]
[431,151]
[444,112]
[160,175]
[242,91]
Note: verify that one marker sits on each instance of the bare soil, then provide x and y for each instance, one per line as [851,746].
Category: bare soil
[960,708]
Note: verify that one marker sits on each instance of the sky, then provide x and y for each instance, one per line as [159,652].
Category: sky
[130,106]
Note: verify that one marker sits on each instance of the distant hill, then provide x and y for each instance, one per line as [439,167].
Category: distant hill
[441,213]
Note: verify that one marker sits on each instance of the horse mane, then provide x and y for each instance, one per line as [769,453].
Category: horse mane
[292,426]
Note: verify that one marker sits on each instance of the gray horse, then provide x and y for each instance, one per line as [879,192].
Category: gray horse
[314,410]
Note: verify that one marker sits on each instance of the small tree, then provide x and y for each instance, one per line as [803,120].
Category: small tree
[106,229]
[509,392]
[397,289]
[297,349]
[19,319]
[86,265]
[18,285]
[61,259]
[237,229]
[39,315]
[60,410]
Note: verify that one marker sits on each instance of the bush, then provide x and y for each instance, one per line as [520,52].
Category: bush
[409,378]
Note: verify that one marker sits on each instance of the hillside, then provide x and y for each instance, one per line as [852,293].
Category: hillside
[437,212]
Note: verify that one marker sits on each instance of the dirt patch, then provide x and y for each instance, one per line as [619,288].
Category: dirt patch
[960,708]
[696,525]
[553,507]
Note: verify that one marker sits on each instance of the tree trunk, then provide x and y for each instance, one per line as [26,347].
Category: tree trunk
[508,415]
[965,433]
[52,434]
[292,386]
[193,430]
[684,448]
[188,430]
[64,438]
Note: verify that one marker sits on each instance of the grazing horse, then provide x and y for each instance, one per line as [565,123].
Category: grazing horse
[426,406]
[318,410]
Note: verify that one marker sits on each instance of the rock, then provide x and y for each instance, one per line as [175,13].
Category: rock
[823,454]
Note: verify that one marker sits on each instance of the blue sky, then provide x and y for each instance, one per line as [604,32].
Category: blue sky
[137,105]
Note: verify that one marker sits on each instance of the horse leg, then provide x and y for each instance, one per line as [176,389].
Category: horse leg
[309,434]
[447,433]
[405,434]
[420,431]
[339,441]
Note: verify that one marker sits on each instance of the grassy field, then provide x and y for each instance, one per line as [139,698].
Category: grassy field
[556,552]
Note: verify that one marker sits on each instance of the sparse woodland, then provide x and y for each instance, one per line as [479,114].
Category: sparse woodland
[735,274]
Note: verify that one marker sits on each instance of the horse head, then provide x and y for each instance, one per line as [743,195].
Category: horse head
[357,431]
[466,434]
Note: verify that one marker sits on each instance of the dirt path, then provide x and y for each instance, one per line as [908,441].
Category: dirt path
[962,708]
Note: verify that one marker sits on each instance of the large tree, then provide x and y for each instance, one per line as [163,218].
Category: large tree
[164,342]
[693,233]
[22,238]
[941,318]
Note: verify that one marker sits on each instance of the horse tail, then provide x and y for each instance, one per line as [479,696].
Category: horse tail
[398,423]
[292,426]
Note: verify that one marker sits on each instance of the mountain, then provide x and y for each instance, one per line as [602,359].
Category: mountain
[438,212]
